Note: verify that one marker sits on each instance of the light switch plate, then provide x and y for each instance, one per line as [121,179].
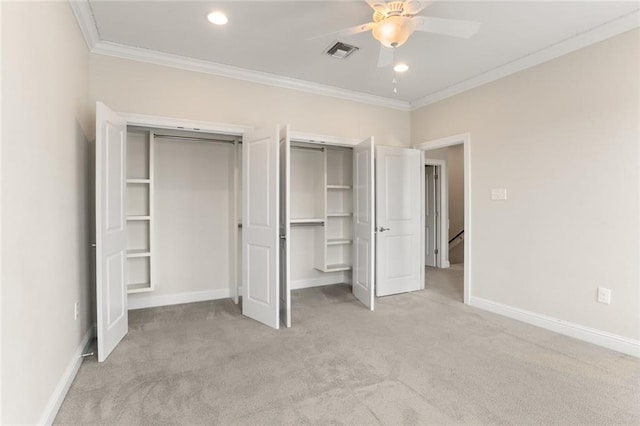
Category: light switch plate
[498,194]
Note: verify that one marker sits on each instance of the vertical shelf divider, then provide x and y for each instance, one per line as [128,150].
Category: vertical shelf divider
[141,241]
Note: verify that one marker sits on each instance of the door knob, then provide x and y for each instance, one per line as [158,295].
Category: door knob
[382,229]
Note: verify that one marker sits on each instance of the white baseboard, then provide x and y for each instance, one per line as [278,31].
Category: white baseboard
[319,282]
[148,300]
[597,337]
[60,392]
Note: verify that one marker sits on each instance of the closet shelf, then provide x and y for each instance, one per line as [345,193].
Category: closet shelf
[338,241]
[338,186]
[339,214]
[138,180]
[311,220]
[138,217]
[338,267]
[138,253]
[139,288]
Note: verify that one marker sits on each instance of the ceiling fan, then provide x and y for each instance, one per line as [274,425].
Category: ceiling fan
[394,22]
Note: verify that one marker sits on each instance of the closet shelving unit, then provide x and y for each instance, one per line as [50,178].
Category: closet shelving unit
[334,241]
[139,210]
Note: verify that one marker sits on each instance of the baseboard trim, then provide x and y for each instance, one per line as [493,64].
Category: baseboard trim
[60,392]
[317,282]
[141,301]
[597,337]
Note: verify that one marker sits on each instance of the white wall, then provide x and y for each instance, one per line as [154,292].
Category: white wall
[136,87]
[45,203]
[192,212]
[562,138]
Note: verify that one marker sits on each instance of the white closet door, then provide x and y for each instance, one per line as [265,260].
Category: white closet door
[398,238]
[364,222]
[111,233]
[285,227]
[260,225]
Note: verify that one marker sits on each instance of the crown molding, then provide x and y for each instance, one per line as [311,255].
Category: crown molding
[190,64]
[86,21]
[602,32]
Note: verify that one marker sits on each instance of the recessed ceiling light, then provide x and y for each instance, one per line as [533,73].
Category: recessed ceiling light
[401,68]
[217,18]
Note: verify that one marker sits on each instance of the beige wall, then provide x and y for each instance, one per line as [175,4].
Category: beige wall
[45,181]
[455,183]
[562,137]
[136,87]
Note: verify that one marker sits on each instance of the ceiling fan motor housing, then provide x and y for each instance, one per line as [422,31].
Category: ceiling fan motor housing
[394,8]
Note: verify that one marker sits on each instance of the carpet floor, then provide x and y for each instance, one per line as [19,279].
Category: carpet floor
[420,358]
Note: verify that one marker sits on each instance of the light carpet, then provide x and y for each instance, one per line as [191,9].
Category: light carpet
[420,358]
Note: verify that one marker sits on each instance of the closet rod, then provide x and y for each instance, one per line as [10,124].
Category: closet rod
[192,138]
[308,148]
[307,224]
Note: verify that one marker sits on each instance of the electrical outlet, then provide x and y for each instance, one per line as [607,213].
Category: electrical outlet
[76,310]
[604,295]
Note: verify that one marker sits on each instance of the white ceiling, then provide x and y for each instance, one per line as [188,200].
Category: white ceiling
[273,37]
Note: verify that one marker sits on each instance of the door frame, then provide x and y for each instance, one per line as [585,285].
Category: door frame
[161,122]
[465,140]
[442,261]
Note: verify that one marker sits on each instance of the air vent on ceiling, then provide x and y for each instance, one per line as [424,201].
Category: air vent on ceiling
[341,50]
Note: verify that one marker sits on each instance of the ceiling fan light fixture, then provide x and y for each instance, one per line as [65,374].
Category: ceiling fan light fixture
[394,31]
[217,18]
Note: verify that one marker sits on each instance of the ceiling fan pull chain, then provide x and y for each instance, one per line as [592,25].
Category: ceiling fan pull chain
[394,81]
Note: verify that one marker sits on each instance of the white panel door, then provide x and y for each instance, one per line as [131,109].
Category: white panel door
[398,214]
[285,227]
[431,217]
[363,222]
[111,233]
[260,225]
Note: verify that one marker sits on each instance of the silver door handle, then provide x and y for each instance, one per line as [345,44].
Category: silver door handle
[382,229]
[283,237]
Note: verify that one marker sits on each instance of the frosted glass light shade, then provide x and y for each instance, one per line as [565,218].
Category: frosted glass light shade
[394,30]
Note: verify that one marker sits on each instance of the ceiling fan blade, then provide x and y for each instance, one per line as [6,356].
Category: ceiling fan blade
[449,27]
[377,5]
[412,7]
[385,57]
[347,31]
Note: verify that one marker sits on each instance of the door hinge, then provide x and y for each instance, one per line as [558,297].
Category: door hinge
[436,251]
[435,176]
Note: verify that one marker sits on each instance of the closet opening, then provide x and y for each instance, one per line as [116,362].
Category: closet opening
[181,216]
[321,215]
[193,211]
